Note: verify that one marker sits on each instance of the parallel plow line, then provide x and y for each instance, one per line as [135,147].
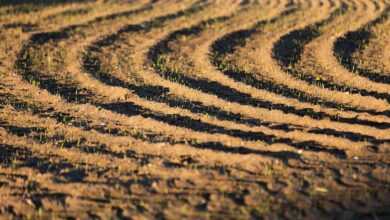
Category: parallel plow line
[192,109]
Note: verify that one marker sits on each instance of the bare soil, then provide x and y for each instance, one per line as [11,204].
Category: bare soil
[195,109]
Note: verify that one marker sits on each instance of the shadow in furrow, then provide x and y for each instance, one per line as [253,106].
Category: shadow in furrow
[154,93]
[203,126]
[67,119]
[69,90]
[250,79]
[353,41]
[160,94]
[217,146]
[157,22]
[65,33]
[289,48]
[349,135]
[54,86]
[227,45]
[61,141]
[232,95]
[197,125]
[212,87]
[144,135]
[38,135]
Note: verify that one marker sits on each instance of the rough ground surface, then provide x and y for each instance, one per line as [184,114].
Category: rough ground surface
[173,109]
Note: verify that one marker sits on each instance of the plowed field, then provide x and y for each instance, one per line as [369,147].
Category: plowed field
[171,109]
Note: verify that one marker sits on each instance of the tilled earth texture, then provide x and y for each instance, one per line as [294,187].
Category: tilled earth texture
[195,109]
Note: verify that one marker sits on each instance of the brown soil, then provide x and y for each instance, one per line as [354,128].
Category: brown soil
[194,109]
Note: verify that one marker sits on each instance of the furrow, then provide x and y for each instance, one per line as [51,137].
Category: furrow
[228,44]
[366,50]
[328,73]
[166,118]
[173,76]
[194,109]
[94,67]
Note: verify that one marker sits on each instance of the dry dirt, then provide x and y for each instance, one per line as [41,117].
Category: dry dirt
[196,109]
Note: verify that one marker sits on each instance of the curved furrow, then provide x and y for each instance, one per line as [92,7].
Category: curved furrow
[16,30]
[14,36]
[26,13]
[258,62]
[63,136]
[73,90]
[345,47]
[128,112]
[179,109]
[73,115]
[26,21]
[28,61]
[90,143]
[327,72]
[172,119]
[382,12]
[93,65]
[196,140]
[203,85]
[90,14]
[224,44]
[105,19]
[194,30]
[110,130]
[186,122]
[257,136]
[367,49]
[60,114]
[227,45]
[52,17]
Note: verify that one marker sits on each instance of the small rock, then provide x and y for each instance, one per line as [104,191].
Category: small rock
[321,189]
[30,202]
